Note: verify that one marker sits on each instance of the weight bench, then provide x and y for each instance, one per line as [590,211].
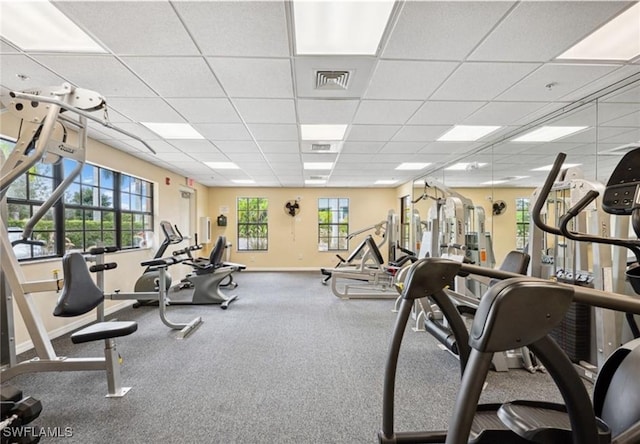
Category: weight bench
[80,295]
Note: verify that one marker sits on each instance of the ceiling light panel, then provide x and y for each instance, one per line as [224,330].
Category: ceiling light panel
[467,133]
[314,182]
[412,166]
[318,165]
[55,31]
[549,133]
[564,166]
[222,165]
[173,130]
[322,132]
[385,182]
[466,166]
[334,27]
[619,39]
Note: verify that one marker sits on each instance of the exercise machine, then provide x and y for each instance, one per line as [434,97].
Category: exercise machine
[41,111]
[203,286]
[157,294]
[365,274]
[522,312]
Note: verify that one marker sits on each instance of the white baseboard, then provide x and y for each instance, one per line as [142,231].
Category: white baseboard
[67,328]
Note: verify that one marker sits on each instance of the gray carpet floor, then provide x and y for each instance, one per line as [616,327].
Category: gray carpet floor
[288,362]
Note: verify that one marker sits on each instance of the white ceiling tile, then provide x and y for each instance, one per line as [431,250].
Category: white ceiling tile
[126,27]
[385,111]
[257,78]
[145,109]
[540,31]
[361,147]
[482,81]
[629,94]
[263,131]
[249,28]
[195,146]
[359,68]
[266,111]
[211,156]
[372,133]
[237,146]
[259,169]
[409,80]
[402,147]
[442,30]
[171,157]
[11,65]
[175,76]
[632,120]
[502,113]
[449,147]
[420,133]
[241,157]
[280,147]
[318,157]
[326,111]
[104,74]
[223,131]
[203,110]
[564,78]
[618,74]
[134,128]
[282,157]
[444,113]
[7,48]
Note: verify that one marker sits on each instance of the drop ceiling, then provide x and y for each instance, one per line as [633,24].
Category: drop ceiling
[231,71]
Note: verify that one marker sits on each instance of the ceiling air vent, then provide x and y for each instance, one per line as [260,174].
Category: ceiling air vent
[332,79]
[319,177]
[320,147]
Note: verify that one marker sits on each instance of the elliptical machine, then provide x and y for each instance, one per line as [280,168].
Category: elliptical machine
[521,311]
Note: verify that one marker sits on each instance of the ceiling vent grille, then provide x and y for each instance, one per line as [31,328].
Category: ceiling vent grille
[332,79]
[320,147]
[319,177]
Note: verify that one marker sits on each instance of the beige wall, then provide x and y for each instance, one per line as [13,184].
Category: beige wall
[129,269]
[293,241]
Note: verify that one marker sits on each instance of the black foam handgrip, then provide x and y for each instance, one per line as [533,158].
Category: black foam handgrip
[103,267]
[103,250]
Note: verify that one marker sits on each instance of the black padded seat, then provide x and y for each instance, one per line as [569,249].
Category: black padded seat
[104,330]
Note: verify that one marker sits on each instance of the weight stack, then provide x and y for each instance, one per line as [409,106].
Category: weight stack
[573,334]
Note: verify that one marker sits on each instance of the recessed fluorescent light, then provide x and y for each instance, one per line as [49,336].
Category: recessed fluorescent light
[322,132]
[222,165]
[564,167]
[385,182]
[549,133]
[619,39]
[412,166]
[466,166]
[40,26]
[314,182]
[467,133]
[173,130]
[243,181]
[503,180]
[337,27]
[318,165]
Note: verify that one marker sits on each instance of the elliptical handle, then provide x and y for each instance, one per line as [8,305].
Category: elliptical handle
[536,213]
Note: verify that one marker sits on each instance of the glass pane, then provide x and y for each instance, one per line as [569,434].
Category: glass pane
[146,204]
[125,182]
[72,194]
[89,175]
[18,215]
[106,198]
[42,169]
[93,239]
[148,223]
[18,189]
[124,201]
[67,167]
[108,220]
[136,203]
[109,238]
[106,178]
[46,223]
[40,188]
[138,222]
[126,222]
[126,239]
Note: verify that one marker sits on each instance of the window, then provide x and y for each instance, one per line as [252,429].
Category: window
[253,228]
[333,224]
[100,206]
[522,222]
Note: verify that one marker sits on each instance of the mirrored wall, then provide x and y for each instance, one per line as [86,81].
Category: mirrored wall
[500,174]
